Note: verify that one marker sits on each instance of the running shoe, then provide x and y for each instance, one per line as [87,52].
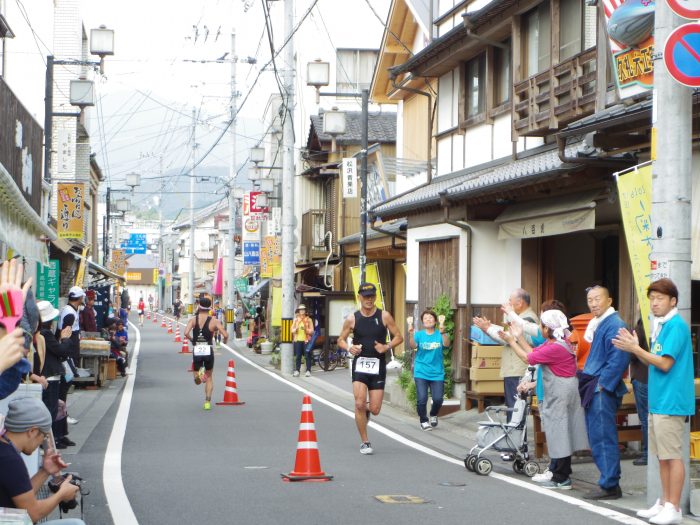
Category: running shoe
[652,511]
[433,421]
[72,420]
[542,477]
[197,380]
[366,448]
[207,405]
[296,373]
[308,373]
[425,425]
[558,485]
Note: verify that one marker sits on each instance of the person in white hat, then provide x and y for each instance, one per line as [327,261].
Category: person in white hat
[57,350]
[70,316]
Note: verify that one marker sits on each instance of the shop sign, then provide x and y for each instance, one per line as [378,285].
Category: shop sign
[630,27]
[242,285]
[48,281]
[265,262]
[276,222]
[133,276]
[251,253]
[118,262]
[251,209]
[71,218]
[349,177]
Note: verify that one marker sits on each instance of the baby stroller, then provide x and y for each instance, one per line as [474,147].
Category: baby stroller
[511,437]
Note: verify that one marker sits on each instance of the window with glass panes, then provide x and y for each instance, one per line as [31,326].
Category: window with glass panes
[502,76]
[476,85]
[354,69]
[570,28]
[538,32]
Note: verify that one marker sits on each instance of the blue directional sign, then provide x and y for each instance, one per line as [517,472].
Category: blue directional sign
[682,54]
[251,253]
[137,243]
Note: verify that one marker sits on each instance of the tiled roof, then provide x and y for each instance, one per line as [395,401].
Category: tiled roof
[381,128]
[610,115]
[396,227]
[472,180]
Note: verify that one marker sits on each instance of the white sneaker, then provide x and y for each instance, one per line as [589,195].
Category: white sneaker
[366,448]
[308,373]
[425,425]
[651,512]
[543,477]
[433,421]
[296,373]
[72,420]
[667,516]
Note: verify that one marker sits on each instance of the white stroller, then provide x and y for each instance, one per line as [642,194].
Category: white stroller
[511,437]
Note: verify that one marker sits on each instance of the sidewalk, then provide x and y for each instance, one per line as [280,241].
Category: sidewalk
[456,433]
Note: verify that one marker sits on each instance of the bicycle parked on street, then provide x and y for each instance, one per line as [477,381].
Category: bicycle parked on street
[328,361]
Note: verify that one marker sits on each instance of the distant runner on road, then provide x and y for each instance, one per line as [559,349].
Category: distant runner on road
[201,330]
[369,327]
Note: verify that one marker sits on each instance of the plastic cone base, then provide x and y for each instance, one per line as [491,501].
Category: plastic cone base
[184,350]
[223,403]
[291,477]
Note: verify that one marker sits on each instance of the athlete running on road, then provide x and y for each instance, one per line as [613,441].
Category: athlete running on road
[142,309]
[201,330]
[177,308]
[369,327]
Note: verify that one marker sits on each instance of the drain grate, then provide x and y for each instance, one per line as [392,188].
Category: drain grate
[399,499]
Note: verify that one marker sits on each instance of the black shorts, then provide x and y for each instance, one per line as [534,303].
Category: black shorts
[373,381]
[207,362]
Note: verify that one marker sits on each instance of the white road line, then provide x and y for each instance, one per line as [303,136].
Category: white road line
[584,505]
[117,500]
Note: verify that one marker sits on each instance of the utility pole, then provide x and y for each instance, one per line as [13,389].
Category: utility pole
[192,230]
[231,246]
[161,245]
[670,196]
[363,175]
[288,244]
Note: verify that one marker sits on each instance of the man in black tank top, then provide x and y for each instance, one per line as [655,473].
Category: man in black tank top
[201,330]
[369,326]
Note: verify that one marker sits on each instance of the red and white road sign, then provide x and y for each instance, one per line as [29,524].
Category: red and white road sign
[682,54]
[689,9]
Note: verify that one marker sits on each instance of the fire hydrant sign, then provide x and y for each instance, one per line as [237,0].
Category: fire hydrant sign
[689,9]
[682,54]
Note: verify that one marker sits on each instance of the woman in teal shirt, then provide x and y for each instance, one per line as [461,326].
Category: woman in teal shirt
[428,367]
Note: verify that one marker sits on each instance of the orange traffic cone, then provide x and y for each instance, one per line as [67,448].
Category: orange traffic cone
[162,322]
[148,315]
[170,327]
[155,317]
[230,392]
[185,347]
[177,334]
[308,463]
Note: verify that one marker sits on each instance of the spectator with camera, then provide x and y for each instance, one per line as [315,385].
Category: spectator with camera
[27,427]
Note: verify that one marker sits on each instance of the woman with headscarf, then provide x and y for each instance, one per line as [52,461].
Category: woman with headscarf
[562,414]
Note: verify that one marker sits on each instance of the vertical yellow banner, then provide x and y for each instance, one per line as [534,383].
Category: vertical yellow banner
[276,306]
[80,275]
[634,189]
[71,218]
[372,276]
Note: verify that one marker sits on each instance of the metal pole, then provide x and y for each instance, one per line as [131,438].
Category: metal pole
[48,118]
[671,194]
[288,244]
[231,246]
[192,229]
[106,232]
[363,177]
[161,245]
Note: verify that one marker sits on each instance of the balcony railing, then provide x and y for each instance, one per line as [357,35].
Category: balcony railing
[313,230]
[551,99]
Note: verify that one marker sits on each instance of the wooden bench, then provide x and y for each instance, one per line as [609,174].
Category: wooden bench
[480,398]
[625,433]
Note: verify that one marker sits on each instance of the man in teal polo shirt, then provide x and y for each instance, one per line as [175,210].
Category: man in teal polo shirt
[671,394]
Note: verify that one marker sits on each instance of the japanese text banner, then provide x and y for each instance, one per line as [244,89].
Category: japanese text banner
[70,210]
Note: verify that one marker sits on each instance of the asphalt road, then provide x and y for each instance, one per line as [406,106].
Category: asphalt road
[181,464]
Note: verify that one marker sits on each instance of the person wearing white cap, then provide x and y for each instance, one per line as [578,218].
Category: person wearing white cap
[57,350]
[70,316]
[27,426]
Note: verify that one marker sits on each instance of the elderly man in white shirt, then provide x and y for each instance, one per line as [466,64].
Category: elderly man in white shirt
[512,367]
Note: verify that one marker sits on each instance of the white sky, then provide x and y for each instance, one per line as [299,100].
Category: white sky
[155,38]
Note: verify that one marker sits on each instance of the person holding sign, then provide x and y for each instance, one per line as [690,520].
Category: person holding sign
[200,330]
[369,327]
[428,366]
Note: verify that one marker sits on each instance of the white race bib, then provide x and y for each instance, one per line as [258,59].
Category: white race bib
[202,350]
[367,365]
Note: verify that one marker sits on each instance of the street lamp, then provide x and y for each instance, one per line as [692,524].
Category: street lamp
[318,73]
[257,154]
[81,90]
